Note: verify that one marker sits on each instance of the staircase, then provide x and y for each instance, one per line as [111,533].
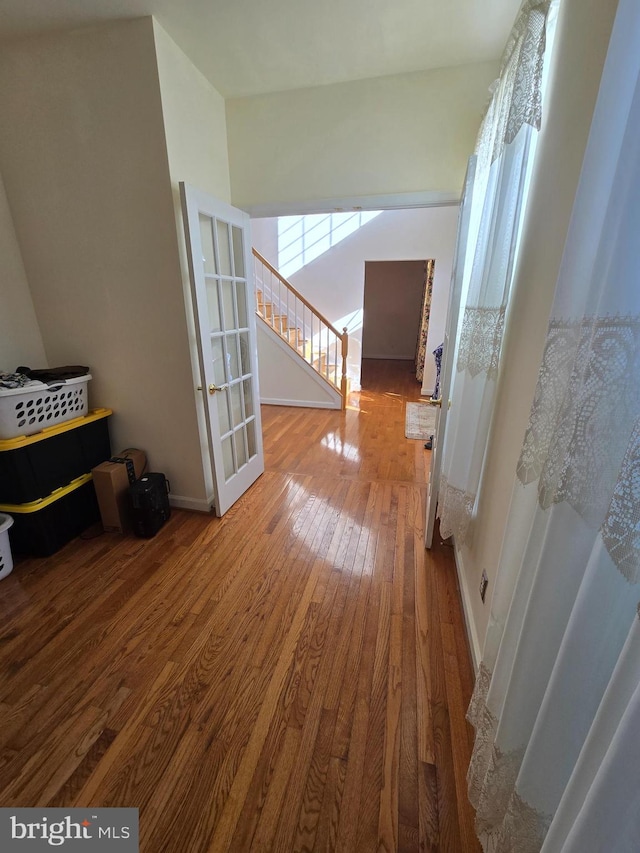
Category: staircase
[309,335]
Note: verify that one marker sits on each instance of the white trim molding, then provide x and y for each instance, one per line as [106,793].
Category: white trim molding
[472,634]
[304,404]
[194,504]
[399,201]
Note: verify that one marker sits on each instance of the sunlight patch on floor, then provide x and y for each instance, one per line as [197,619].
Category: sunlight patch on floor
[334,442]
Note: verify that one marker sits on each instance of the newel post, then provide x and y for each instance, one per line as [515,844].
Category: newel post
[343,380]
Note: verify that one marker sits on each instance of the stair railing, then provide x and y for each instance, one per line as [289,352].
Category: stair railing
[297,322]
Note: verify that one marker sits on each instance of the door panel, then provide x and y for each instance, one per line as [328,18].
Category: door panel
[219,253]
[451,330]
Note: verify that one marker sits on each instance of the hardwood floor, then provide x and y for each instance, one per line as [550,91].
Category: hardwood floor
[293,676]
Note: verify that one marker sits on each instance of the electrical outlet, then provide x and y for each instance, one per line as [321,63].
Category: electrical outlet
[484,583]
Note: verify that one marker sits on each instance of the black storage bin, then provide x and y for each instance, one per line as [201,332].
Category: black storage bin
[33,466]
[42,527]
[150,504]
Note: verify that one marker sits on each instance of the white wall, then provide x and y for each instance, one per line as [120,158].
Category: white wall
[392,304]
[582,36]
[196,141]
[20,338]
[194,121]
[334,282]
[388,135]
[265,238]
[84,160]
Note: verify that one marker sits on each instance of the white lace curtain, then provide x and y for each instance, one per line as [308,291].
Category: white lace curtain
[556,707]
[502,153]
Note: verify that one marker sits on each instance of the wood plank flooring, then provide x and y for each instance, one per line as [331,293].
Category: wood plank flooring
[291,677]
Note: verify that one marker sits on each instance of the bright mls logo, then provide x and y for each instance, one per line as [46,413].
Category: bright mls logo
[86,830]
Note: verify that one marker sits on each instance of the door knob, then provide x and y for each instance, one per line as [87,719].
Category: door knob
[213,388]
[433,402]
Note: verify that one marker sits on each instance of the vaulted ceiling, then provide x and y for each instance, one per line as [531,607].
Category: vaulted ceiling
[249,47]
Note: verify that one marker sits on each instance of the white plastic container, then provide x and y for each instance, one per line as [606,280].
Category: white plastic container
[27,410]
[6,560]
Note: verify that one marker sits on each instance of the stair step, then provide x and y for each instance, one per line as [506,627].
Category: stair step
[280,322]
[294,336]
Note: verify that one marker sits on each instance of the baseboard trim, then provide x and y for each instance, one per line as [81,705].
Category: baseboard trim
[304,404]
[387,357]
[195,504]
[472,635]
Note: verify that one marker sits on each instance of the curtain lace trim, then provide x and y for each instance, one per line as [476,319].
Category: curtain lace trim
[571,442]
[505,822]
[455,511]
[516,97]
[481,340]
[621,527]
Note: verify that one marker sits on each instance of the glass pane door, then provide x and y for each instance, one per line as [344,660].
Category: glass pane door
[224,304]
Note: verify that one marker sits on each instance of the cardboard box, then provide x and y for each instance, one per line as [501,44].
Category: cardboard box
[111,480]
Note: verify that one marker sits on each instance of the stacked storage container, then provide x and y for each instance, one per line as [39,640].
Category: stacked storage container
[45,476]
[6,558]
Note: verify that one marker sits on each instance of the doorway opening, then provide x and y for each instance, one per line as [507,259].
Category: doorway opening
[396,315]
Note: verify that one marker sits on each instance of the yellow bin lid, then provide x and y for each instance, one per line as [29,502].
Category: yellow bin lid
[56,429]
[41,503]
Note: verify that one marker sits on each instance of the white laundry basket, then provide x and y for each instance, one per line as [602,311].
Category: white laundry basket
[27,410]
[6,560]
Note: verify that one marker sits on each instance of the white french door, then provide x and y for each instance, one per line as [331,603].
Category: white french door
[218,240]
[448,351]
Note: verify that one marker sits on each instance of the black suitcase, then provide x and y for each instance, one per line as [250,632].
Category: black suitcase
[150,503]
